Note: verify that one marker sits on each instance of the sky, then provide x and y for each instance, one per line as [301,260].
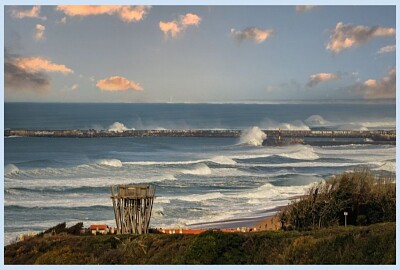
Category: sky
[199,53]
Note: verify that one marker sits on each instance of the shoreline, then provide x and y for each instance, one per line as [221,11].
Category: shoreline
[258,222]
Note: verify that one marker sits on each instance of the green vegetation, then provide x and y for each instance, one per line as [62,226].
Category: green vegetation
[374,244]
[367,198]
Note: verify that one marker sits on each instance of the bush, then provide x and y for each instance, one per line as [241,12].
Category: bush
[367,198]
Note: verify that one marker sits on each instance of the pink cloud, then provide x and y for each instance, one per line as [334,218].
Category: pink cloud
[173,28]
[170,28]
[190,19]
[34,12]
[321,77]
[345,36]
[125,13]
[38,64]
[118,83]
[379,89]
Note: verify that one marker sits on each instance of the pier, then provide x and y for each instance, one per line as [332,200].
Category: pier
[375,135]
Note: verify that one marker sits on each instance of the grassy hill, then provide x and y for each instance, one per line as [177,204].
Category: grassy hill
[373,244]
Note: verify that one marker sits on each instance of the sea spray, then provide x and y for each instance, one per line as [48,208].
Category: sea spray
[118,127]
[317,121]
[295,125]
[252,136]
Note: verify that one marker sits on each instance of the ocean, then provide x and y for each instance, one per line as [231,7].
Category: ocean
[52,180]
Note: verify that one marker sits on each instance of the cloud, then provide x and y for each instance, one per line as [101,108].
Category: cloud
[345,36]
[173,28]
[125,13]
[39,31]
[255,34]
[74,87]
[304,8]
[190,19]
[19,79]
[117,83]
[38,64]
[34,12]
[63,20]
[387,49]
[321,77]
[379,89]
[170,28]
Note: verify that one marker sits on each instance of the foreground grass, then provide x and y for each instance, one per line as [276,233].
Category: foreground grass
[374,244]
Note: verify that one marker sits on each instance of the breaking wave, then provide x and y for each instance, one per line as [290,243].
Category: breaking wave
[201,197]
[11,169]
[305,154]
[389,166]
[252,136]
[110,162]
[295,125]
[200,169]
[317,121]
[118,127]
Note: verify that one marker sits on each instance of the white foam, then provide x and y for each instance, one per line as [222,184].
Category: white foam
[200,169]
[198,198]
[307,153]
[389,166]
[317,121]
[295,125]
[223,160]
[10,169]
[252,136]
[118,127]
[110,162]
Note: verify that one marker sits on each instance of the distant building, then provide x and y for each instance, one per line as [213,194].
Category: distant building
[101,228]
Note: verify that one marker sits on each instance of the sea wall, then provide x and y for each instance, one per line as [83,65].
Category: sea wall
[382,135]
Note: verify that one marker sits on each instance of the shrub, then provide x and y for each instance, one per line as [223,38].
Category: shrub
[367,198]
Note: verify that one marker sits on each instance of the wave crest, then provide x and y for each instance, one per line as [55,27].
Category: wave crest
[307,153]
[11,169]
[110,162]
[200,169]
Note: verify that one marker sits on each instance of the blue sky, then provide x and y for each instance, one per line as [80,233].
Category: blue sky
[204,54]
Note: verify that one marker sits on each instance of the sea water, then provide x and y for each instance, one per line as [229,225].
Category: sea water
[52,180]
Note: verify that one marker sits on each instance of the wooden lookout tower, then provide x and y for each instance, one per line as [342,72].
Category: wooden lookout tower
[132,208]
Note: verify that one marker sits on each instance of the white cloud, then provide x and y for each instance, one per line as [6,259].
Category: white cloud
[387,49]
[255,34]
[34,12]
[321,77]
[39,31]
[345,36]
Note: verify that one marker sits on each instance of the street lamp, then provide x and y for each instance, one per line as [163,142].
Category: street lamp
[345,218]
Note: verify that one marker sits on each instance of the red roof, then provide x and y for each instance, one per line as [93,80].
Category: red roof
[98,227]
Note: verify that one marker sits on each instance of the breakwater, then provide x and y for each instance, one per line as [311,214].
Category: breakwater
[379,135]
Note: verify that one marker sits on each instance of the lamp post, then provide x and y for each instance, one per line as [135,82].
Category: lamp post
[345,218]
